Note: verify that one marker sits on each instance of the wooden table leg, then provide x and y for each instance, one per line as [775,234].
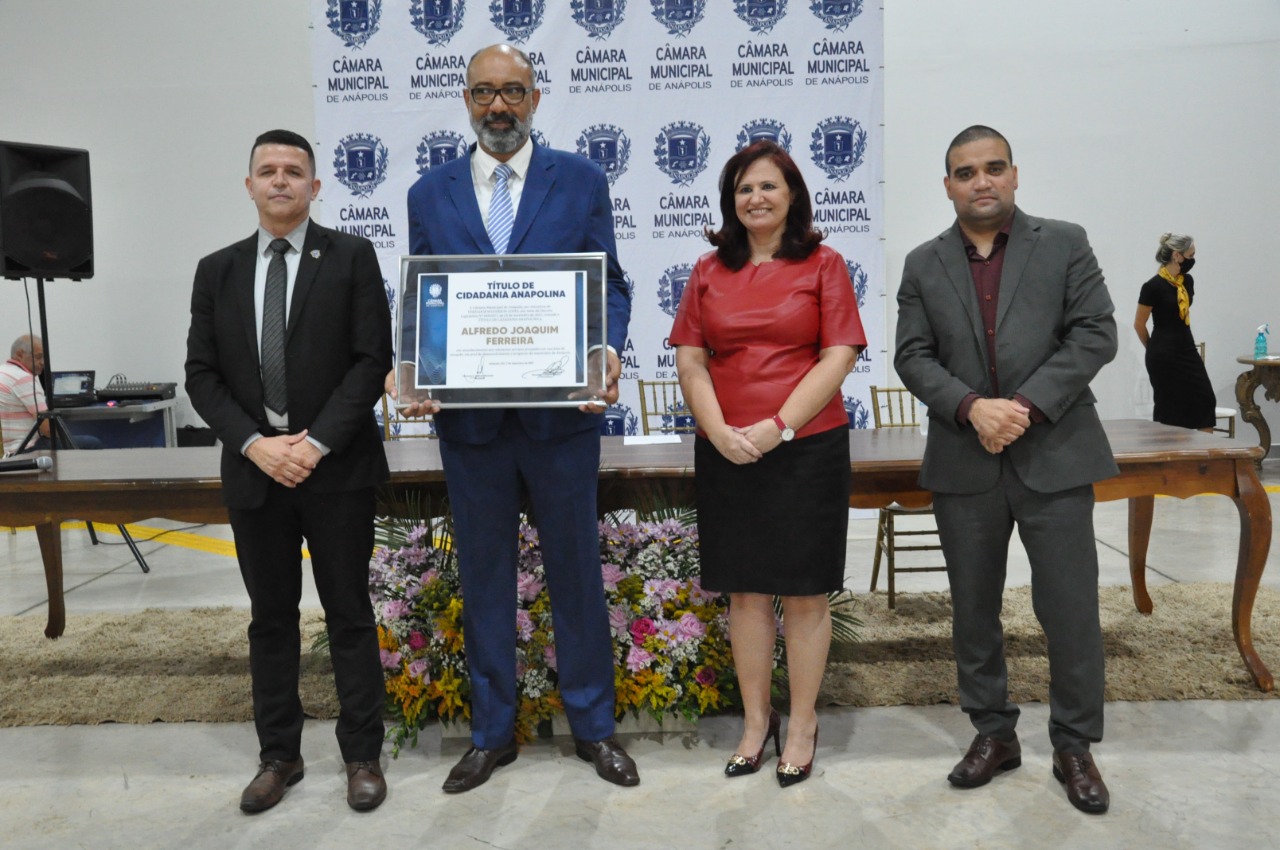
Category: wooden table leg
[50,536]
[1141,510]
[1255,541]
[1247,384]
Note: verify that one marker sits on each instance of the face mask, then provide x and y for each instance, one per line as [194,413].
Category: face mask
[1187,263]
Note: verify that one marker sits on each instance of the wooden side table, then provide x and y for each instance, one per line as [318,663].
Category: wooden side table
[1263,373]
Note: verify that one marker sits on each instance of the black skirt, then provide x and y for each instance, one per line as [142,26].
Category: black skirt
[777,526]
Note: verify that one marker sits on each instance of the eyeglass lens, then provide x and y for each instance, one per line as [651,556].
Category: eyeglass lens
[512,95]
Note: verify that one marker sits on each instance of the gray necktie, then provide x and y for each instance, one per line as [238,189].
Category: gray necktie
[501,213]
[274,390]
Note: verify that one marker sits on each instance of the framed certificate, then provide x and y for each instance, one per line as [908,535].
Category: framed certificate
[511,330]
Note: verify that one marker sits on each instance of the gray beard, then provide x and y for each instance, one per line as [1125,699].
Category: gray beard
[502,141]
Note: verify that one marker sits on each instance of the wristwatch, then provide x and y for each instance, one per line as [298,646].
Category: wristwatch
[787,434]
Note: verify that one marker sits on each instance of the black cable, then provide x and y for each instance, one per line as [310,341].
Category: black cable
[154,536]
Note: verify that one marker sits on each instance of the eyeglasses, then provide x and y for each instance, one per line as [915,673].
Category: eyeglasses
[484,95]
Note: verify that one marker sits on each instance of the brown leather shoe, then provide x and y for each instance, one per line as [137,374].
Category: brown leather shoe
[985,757]
[366,789]
[267,787]
[477,765]
[611,760]
[1085,788]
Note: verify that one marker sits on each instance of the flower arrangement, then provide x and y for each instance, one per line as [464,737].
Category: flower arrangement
[670,637]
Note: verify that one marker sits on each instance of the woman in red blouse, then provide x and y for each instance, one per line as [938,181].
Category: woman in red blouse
[766,332]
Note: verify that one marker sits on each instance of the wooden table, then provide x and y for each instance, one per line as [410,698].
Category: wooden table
[1265,374]
[182,484]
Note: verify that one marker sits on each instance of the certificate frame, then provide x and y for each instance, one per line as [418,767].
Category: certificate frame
[502,330]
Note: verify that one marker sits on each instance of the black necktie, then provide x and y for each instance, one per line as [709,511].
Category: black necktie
[274,390]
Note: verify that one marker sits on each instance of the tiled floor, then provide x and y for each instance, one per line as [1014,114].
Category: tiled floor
[1182,774]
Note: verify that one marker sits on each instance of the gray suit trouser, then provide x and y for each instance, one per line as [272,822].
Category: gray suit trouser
[1057,531]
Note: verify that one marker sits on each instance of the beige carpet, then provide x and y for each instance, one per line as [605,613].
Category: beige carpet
[1183,650]
[143,667]
[192,665]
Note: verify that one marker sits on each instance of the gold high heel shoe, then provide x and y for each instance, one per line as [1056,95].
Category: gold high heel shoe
[743,766]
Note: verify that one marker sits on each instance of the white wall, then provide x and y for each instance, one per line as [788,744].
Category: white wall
[1130,118]
[167,97]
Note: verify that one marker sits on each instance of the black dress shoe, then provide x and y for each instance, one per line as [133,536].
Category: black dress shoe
[789,774]
[611,761]
[366,788]
[267,787]
[476,766]
[986,756]
[740,765]
[1085,788]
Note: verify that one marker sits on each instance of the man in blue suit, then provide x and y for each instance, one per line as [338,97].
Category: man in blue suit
[558,203]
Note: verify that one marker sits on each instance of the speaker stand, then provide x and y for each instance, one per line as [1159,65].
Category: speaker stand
[58,432]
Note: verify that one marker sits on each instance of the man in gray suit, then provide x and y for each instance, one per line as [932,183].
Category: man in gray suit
[1003,319]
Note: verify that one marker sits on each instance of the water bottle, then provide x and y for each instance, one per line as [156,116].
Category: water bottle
[1260,342]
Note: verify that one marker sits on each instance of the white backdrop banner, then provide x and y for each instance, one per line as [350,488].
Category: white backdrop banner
[660,93]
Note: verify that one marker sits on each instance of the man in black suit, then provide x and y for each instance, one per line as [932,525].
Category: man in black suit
[291,399]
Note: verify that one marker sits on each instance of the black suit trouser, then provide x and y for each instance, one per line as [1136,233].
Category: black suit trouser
[338,529]
[1057,531]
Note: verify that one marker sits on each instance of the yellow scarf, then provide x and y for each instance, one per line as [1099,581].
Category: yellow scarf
[1184,300]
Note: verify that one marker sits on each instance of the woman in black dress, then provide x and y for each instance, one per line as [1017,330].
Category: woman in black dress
[1183,394]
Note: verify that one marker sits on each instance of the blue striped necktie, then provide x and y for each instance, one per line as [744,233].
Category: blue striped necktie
[501,213]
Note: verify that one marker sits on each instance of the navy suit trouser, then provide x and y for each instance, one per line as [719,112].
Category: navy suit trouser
[484,497]
[1057,531]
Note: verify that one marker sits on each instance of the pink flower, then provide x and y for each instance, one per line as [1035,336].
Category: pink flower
[549,656]
[697,595]
[618,616]
[417,640]
[395,609]
[528,586]
[641,628]
[524,624]
[390,660]
[638,659]
[420,669]
[661,589]
[612,574]
[705,676]
[689,626]
[668,630]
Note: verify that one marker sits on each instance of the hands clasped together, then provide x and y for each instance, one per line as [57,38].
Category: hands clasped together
[999,421]
[747,445]
[288,458]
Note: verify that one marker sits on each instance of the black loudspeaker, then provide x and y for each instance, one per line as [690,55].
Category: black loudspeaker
[46,212]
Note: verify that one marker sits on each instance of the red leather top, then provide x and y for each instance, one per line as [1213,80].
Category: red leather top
[764,326]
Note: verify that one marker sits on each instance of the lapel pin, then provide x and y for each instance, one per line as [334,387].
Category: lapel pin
[315,253]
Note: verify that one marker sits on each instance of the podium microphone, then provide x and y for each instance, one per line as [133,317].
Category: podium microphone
[18,464]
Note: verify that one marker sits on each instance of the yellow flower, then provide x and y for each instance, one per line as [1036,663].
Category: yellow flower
[446,692]
[449,621]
